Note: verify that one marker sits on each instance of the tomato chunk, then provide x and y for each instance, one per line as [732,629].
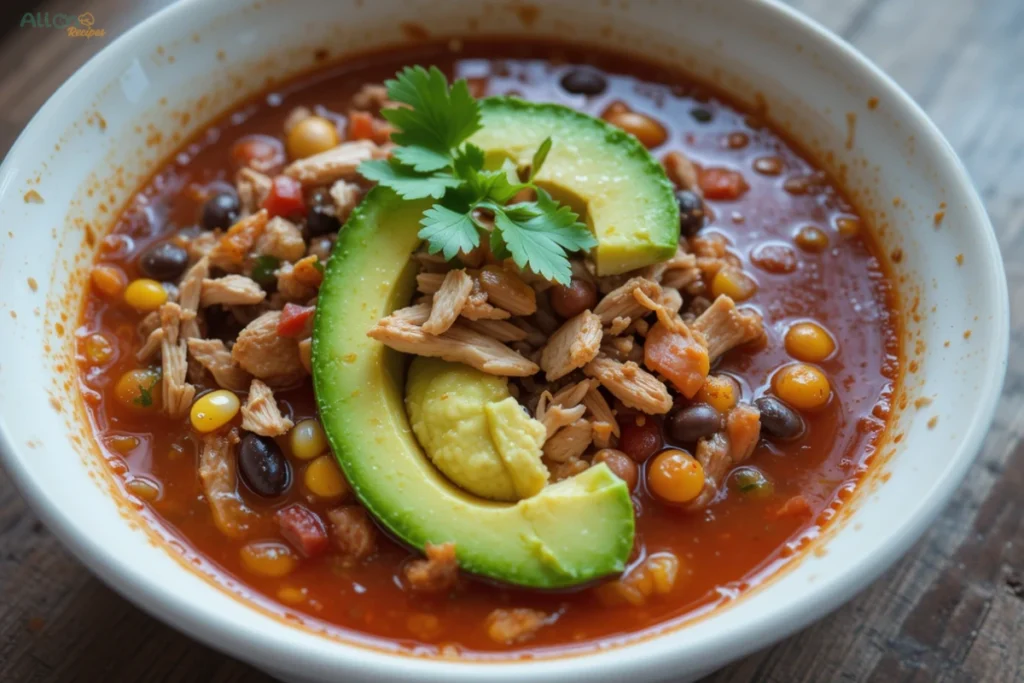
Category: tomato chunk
[295,320]
[259,152]
[360,125]
[680,358]
[285,197]
[303,529]
[722,183]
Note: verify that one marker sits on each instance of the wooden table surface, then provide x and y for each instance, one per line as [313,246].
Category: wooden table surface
[951,610]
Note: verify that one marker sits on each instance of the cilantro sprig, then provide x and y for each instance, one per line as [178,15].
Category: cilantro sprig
[433,159]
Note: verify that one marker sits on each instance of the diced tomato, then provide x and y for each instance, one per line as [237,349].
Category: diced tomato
[360,125]
[722,183]
[677,356]
[285,197]
[295,320]
[303,529]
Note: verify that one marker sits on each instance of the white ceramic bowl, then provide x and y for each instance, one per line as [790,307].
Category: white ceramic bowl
[88,149]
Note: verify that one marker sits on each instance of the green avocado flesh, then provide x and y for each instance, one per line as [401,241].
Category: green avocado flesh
[605,174]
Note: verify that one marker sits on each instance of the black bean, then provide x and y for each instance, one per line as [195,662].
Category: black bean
[320,220]
[262,465]
[164,261]
[693,423]
[701,115]
[779,420]
[583,81]
[691,212]
[220,211]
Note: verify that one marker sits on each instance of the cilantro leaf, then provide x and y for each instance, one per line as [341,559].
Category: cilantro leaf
[422,158]
[408,183]
[539,156]
[538,235]
[437,118]
[449,231]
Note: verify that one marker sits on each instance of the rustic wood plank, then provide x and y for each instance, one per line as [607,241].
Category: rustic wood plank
[952,610]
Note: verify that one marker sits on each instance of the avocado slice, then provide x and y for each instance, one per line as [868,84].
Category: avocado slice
[570,533]
[601,171]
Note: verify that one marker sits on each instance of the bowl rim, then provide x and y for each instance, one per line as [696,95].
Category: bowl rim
[255,646]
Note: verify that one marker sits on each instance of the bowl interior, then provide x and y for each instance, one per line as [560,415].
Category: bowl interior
[110,125]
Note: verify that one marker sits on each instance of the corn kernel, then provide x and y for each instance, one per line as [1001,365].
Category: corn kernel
[720,392]
[847,226]
[97,349]
[811,238]
[143,488]
[214,410]
[802,386]
[733,283]
[145,295]
[311,135]
[675,476]
[307,439]
[323,478]
[809,342]
[123,443]
[140,390]
[269,559]
[108,280]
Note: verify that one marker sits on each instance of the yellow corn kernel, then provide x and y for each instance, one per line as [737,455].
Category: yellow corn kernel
[802,386]
[214,410]
[809,342]
[143,488]
[733,283]
[123,443]
[269,559]
[311,135]
[848,226]
[675,476]
[307,439]
[720,392]
[811,238]
[140,390]
[145,295]
[323,478]
[108,280]
[97,349]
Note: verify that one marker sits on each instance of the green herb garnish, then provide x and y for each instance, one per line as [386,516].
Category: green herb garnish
[145,397]
[434,160]
[263,270]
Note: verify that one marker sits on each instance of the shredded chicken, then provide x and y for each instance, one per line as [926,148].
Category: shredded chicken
[260,351]
[743,427]
[346,197]
[371,97]
[231,515]
[177,393]
[618,326]
[599,409]
[252,187]
[353,533]
[478,308]
[563,470]
[725,327]
[335,164]
[437,573]
[190,291]
[629,383]
[300,281]
[449,301]
[569,442]
[281,239]
[231,290]
[509,626]
[719,454]
[261,415]
[555,417]
[198,247]
[151,346]
[234,246]
[502,330]
[458,345]
[621,303]
[604,433]
[217,360]
[575,344]
[429,283]
[506,290]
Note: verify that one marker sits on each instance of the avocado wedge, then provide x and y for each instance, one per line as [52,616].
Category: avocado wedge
[570,533]
[602,172]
